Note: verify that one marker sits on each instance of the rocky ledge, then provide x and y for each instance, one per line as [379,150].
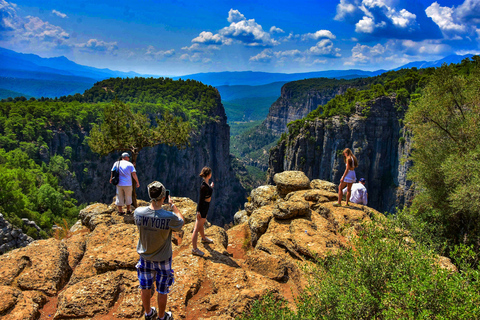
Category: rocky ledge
[91,274]
[11,237]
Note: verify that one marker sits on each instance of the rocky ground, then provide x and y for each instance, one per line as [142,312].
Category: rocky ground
[91,274]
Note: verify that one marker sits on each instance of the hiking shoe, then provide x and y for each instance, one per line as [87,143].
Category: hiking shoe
[337,205]
[129,212]
[153,315]
[197,252]
[207,240]
[167,316]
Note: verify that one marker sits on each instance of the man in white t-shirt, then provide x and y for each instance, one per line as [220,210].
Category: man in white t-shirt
[359,192]
[124,186]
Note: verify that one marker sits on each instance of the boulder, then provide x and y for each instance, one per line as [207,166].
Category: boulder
[108,248]
[324,185]
[96,214]
[41,266]
[263,195]
[240,217]
[289,181]
[291,209]
[258,222]
[268,265]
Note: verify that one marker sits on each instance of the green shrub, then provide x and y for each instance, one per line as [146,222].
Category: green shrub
[384,275]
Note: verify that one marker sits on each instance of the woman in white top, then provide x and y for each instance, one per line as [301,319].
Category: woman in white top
[348,177]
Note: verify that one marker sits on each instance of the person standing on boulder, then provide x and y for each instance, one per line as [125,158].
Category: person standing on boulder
[206,191]
[348,177]
[154,246]
[124,187]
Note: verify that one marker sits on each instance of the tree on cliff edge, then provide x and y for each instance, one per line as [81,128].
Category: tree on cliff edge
[121,130]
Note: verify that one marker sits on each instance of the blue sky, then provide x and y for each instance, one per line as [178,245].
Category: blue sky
[178,37]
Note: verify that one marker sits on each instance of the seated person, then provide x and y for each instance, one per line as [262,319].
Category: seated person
[359,192]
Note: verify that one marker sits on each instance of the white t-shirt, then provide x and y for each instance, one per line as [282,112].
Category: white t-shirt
[359,193]
[126,168]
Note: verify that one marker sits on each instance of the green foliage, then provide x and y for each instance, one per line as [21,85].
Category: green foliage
[252,140]
[124,130]
[29,190]
[248,109]
[384,275]
[237,128]
[445,126]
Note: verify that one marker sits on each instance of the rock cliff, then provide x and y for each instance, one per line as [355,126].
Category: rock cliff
[299,98]
[177,169]
[91,274]
[377,140]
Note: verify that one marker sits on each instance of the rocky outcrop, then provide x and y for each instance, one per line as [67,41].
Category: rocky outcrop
[91,274]
[177,169]
[374,133]
[11,237]
[299,98]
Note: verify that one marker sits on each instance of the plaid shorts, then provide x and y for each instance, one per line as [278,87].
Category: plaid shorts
[161,270]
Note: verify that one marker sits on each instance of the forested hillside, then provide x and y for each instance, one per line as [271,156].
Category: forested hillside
[33,160]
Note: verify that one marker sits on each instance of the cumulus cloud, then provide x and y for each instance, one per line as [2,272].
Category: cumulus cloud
[159,54]
[28,30]
[209,38]
[95,45]
[264,56]
[274,29]
[59,14]
[469,12]
[387,19]
[325,48]
[235,16]
[456,23]
[195,57]
[318,35]
[241,30]
[443,17]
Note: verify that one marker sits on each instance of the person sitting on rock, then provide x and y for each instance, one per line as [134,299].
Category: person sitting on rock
[359,192]
[154,246]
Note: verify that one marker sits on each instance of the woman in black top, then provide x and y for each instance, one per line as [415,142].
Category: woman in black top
[206,191]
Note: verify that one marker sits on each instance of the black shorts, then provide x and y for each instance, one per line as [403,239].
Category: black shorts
[203,209]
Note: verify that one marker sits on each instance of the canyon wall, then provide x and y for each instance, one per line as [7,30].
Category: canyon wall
[378,140]
[177,169]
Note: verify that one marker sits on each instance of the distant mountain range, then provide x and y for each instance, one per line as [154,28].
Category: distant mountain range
[31,75]
[428,64]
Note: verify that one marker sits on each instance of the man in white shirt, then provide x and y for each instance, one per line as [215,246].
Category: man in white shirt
[124,186]
[359,192]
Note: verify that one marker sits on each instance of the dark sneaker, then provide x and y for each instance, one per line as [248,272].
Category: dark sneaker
[167,316]
[153,315]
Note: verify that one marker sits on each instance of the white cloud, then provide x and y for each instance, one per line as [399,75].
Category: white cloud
[366,25]
[94,45]
[364,53]
[318,35]
[160,54]
[196,57]
[235,16]
[426,47]
[324,48]
[274,29]
[469,12]
[59,14]
[240,30]
[209,38]
[264,56]
[444,18]
[345,8]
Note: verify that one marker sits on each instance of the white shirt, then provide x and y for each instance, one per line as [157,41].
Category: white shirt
[125,168]
[359,193]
